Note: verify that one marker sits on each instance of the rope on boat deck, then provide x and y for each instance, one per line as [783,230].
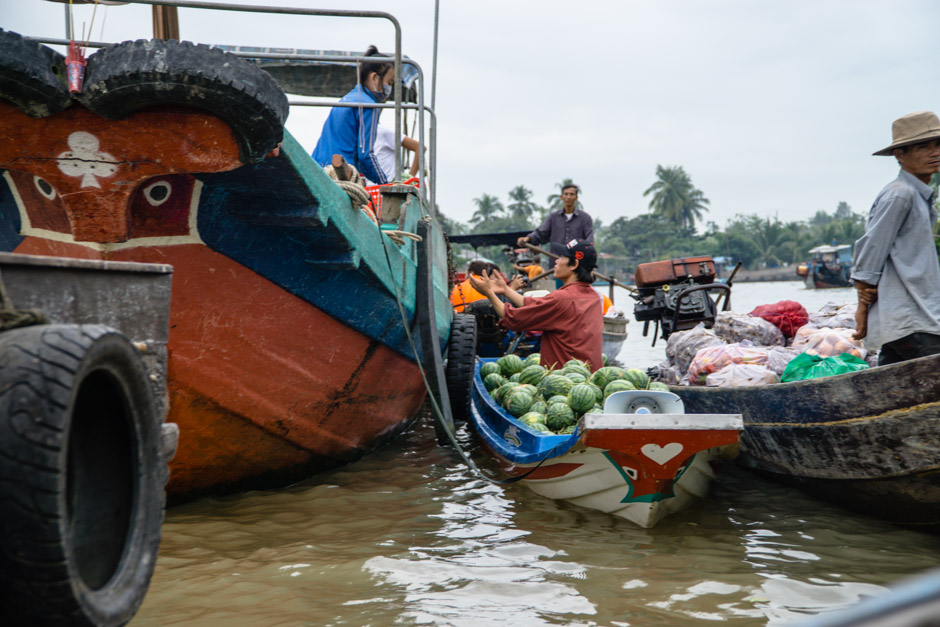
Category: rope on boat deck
[13,318]
[436,409]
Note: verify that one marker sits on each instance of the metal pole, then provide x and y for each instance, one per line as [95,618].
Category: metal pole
[437,11]
[68,22]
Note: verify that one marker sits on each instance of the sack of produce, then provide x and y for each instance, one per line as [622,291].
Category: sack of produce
[682,345]
[714,358]
[839,315]
[828,342]
[805,366]
[733,327]
[786,315]
[740,375]
[670,374]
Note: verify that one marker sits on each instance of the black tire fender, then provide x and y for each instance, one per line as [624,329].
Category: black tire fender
[461,357]
[32,76]
[133,75]
[82,476]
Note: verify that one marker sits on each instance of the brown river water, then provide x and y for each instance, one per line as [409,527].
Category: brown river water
[411,536]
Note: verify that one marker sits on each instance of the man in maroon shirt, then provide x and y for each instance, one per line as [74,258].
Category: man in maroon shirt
[570,318]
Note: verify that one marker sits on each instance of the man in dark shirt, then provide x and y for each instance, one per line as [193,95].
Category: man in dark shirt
[563,225]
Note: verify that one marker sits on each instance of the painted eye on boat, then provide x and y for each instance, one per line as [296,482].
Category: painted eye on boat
[44,188]
[157,193]
[631,472]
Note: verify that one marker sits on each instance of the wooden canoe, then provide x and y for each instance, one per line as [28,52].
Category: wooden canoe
[868,440]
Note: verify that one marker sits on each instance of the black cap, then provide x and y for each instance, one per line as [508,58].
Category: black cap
[582,251]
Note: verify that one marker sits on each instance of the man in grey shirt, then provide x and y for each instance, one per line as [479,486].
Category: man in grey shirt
[896,271]
[563,225]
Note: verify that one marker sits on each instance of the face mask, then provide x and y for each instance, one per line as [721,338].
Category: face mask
[386,92]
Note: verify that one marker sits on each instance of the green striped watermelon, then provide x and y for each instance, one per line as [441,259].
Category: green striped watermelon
[493,381]
[518,403]
[576,369]
[559,416]
[510,364]
[489,367]
[568,430]
[538,405]
[558,399]
[605,375]
[540,428]
[581,398]
[604,359]
[598,394]
[533,360]
[618,385]
[501,392]
[658,385]
[532,374]
[576,377]
[516,377]
[532,418]
[555,385]
[638,378]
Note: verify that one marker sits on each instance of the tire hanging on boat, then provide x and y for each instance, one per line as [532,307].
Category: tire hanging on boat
[461,356]
[133,75]
[32,76]
[82,475]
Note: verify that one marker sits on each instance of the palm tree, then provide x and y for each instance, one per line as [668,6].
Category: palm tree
[487,208]
[554,200]
[675,198]
[522,208]
[773,239]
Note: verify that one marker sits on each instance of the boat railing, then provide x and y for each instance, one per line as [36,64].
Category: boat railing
[398,105]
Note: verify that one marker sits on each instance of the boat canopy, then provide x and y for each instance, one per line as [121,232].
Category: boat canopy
[828,248]
[316,77]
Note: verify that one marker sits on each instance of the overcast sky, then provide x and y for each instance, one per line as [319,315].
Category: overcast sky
[772,108]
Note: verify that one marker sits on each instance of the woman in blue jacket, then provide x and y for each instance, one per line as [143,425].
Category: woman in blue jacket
[351,131]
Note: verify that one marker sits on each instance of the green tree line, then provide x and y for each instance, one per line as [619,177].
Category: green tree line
[668,227]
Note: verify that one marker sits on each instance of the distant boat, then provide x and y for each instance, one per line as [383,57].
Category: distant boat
[830,266]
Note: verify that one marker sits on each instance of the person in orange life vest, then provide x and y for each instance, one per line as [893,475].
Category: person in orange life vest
[463,293]
[570,318]
[529,267]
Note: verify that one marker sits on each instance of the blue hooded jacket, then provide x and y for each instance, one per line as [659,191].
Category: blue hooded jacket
[350,131]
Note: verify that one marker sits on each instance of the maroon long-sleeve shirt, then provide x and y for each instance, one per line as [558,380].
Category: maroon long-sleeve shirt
[570,319]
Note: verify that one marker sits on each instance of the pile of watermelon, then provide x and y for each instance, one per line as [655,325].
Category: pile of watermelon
[552,401]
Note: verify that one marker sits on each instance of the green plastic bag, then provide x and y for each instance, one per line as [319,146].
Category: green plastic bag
[805,366]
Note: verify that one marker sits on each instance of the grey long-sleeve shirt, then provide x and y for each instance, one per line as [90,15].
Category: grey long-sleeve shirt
[897,254]
[558,231]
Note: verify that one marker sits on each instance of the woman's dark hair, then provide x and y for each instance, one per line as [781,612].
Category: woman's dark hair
[583,273]
[379,67]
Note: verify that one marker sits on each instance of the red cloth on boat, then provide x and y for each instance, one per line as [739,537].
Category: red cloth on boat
[787,315]
[571,321]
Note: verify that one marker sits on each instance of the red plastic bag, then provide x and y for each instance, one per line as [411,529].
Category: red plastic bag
[787,315]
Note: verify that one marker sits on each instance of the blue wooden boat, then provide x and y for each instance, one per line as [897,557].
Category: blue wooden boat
[641,459]
[294,341]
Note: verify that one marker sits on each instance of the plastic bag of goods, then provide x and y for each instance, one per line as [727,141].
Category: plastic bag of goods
[741,375]
[670,374]
[786,315]
[828,342]
[840,315]
[734,327]
[682,345]
[778,357]
[807,366]
[714,358]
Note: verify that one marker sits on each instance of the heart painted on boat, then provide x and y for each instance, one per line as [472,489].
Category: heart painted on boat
[661,454]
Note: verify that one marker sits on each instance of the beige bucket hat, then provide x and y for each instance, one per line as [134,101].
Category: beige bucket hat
[912,128]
